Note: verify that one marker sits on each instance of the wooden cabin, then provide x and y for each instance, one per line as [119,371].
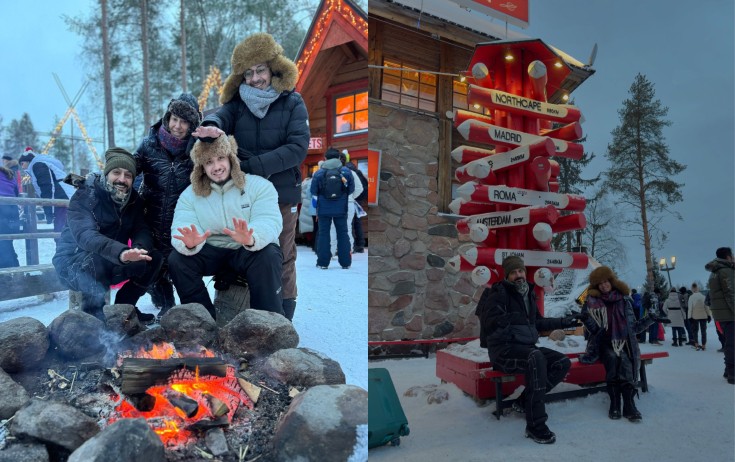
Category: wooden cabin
[332,65]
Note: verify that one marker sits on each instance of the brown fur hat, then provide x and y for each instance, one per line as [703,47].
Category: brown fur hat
[202,152]
[256,49]
[602,274]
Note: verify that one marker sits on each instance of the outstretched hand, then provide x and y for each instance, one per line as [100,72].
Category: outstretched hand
[191,237]
[132,255]
[569,322]
[207,132]
[241,233]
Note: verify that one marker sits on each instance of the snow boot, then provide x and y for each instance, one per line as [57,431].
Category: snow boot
[629,410]
[289,306]
[541,434]
[613,389]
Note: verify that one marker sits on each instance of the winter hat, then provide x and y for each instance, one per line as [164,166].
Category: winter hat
[602,274]
[331,154]
[7,157]
[119,158]
[511,263]
[683,290]
[346,155]
[201,152]
[256,49]
[28,155]
[184,107]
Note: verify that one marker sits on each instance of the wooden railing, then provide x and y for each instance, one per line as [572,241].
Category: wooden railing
[32,278]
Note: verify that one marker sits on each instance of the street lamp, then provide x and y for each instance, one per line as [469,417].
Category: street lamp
[663,265]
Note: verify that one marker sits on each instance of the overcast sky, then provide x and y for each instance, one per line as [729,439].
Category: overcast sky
[684,48]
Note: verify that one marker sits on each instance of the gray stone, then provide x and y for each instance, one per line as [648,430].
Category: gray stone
[13,396]
[25,453]
[216,441]
[443,329]
[399,319]
[122,319]
[435,261]
[327,423]
[189,326]
[403,288]
[127,440]
[53,422]
[23,344]
[77,334]
[443,230]
[303,367]
[257,333]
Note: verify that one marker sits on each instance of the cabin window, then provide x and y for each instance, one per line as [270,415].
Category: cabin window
[459,98]
[408,87]
[351,113]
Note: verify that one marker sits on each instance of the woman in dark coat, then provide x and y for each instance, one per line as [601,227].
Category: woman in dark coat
[163,160]
[609,317]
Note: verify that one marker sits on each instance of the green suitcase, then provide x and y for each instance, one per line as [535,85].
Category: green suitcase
[386,420]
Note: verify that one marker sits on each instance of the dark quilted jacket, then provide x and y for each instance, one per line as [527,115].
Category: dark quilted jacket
[165,177]
[272,147]
[503,318]
[95,224]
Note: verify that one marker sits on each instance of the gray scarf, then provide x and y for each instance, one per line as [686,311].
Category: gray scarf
[257,100]
[118,197]
[522,288]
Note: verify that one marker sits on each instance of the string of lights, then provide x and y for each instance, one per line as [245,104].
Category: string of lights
[214,79]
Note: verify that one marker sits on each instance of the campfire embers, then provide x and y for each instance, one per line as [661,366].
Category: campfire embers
[179,394]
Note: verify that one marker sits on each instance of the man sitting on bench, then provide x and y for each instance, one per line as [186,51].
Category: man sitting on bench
[509,325]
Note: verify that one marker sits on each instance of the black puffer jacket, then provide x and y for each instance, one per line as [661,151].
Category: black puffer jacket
[503,318]
[95,224]
[272,147]
[165,177]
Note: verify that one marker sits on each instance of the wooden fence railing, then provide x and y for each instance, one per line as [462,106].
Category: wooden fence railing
[32,278]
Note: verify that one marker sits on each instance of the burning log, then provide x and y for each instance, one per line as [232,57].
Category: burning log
[139,374]
[253,391]
[183,402]
[216,406]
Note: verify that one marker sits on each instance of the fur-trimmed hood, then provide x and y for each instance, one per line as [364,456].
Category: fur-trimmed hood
[256,49]
[601,274]
[202,152]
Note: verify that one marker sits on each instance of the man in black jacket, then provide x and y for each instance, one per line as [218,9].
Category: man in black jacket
[93,250]
[509,325]
[270,124]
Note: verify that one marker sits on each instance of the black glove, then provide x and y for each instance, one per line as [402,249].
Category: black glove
[655,318]
[569,322]
[709,319]
[581,316]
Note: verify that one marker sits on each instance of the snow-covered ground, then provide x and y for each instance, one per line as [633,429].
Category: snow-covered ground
[331,311]
[688,415]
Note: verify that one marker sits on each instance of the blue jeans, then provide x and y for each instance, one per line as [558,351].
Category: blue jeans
[323,250]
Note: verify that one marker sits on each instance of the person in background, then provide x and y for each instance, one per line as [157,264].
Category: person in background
[609,316]
[9,219]
[651,302]
[684,301]
[638,311]
[360,199]
[12,164]
[226,218]
[307,214]
[163,161]
[47,175]
[699,315]
[93,251]
[673,310]
[509,326]
[350,205]
[271,126]
[331,186]
[722,299]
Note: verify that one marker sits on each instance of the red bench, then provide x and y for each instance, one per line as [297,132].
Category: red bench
[479,380]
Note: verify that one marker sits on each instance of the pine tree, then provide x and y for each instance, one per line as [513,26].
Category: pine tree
[19,134]
[641,172]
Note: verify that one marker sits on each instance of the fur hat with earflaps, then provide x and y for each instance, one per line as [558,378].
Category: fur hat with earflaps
[201,152]
[602,274]
[256,49]
[184,107]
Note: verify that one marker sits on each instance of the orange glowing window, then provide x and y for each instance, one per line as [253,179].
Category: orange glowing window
[408,87]
[351,113]
[459,98]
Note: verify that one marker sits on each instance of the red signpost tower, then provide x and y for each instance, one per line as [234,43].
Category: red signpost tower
[510,196]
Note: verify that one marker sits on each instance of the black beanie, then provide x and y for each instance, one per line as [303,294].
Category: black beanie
[331,154]
[511,263]
[119,158]
[184,107]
